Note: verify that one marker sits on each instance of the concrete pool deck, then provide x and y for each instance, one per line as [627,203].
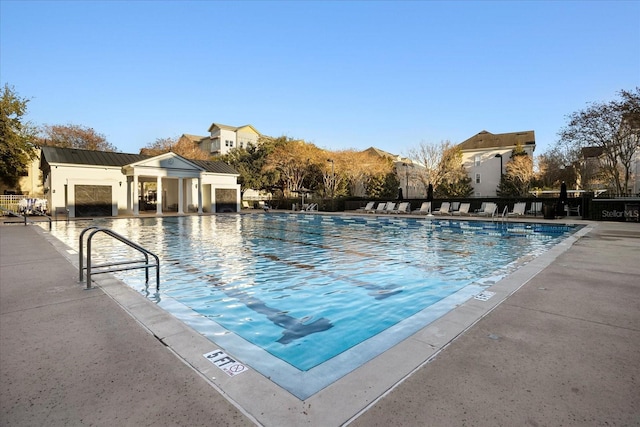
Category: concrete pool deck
[563,350]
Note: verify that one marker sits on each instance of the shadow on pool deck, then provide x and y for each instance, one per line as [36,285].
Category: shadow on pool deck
[563,350]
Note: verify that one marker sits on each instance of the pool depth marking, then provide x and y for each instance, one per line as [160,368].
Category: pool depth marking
[225,362]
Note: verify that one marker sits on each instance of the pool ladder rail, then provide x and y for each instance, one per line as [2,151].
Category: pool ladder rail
[92,269]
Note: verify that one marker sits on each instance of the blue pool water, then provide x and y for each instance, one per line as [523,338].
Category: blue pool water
[304,289]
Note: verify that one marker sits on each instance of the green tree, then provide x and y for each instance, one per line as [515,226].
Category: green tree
[17,149]
[74,136]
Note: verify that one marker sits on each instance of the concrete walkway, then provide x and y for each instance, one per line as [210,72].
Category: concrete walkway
[563,350]
[71,357]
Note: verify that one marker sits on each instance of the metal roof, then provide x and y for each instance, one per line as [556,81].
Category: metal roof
[88,157]
[106,158]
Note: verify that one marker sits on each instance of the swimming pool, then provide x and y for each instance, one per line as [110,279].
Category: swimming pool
[305,299]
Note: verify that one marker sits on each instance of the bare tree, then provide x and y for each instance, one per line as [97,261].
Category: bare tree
[430,155]
[615,128]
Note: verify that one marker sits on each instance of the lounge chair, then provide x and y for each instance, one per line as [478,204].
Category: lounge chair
[455,206]
[518,209]
[477,211]
[246,205]
[425,209]
[443,210]
[402,208]
[490,209]
[464,209]
[572,210]
[535,209]
[380,207]
[369,208]
[390,207]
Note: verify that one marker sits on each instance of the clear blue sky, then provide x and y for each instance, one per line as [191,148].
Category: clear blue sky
[338,74]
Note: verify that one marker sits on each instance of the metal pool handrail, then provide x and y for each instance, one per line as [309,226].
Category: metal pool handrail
[114,266]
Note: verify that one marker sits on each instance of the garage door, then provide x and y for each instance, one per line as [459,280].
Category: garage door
[93,200]
[226,200]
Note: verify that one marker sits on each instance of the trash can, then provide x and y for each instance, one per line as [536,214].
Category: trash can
[549,211]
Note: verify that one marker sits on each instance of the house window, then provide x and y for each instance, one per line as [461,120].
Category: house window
[477,178]
[476,160]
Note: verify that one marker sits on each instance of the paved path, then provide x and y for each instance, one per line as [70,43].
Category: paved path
[71,357]
[564,350]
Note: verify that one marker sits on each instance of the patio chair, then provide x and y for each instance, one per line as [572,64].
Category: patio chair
[464,209]
[443,209]
[402,208]
[380,207]
[370,207]
[490,209]
[425,209]
[455,206]
[482,206]
[390,207]
[572,210]
[518,209]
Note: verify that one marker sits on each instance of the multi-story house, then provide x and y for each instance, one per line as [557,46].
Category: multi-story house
[223,138]
[485,156]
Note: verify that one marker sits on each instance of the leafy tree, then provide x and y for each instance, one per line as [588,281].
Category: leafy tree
[74,136]
[519,173]
[552,169]
[612,126]
[291,161]
[17,136]
[452,179]
[181,146]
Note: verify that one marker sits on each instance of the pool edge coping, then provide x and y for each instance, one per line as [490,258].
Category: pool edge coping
[265,402]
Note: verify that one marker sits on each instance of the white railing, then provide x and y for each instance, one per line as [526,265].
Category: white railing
[10,202]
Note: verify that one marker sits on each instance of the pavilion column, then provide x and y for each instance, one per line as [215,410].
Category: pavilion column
[180,196]
[199,195]
[135,194]
[159,195]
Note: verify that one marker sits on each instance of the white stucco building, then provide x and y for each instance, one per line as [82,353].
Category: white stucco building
[485,156]
[95,183]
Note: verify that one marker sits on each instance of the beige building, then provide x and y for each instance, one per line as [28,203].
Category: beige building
[224,138]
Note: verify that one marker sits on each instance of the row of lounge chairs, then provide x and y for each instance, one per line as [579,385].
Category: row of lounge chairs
[387,207]
[489,209]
